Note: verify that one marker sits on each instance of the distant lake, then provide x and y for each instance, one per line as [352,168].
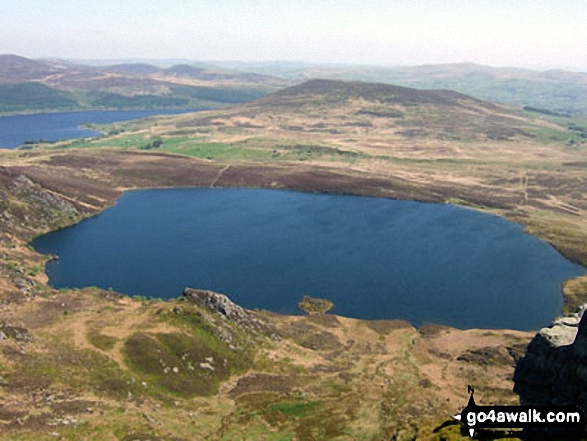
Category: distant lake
[16,129]
[374,258]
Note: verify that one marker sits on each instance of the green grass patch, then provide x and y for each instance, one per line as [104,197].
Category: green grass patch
[213,150]
[305,419]
[126,141]
[546,135]
[297,409]
[240,356]
[305,152]
[101,341]
[181,364]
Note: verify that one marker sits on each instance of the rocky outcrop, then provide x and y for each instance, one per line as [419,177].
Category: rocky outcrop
[554,369]
[224,307]
[15,332]
[217,303]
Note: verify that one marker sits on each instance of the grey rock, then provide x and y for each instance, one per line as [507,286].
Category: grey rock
[218,303]
[15,332]
[149,419]
[554,369]
[228,310]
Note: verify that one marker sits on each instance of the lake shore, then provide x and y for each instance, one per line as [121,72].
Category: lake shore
[385,364]
[123,251]
[136,170]
[27,129]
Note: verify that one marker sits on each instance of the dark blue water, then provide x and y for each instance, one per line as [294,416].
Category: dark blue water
[375,258]
[16,129]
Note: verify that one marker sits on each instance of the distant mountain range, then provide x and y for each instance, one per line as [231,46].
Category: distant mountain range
[38,85]
[556,91]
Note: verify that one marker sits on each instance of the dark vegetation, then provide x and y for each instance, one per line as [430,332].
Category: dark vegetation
[34,96]
[554,92]
[37,96]
[313,305]
[554,95]
[16,69]
[221,95]
[181,96]
[156,143]
[117,101]
[545,111]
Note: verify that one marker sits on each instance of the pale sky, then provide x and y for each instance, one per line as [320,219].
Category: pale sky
[393,32]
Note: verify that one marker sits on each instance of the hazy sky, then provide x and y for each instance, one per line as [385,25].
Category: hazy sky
[392,32]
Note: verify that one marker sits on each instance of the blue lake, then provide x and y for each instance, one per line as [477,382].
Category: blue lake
[16,129]
[374,258]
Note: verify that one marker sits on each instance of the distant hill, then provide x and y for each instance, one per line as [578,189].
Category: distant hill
[554,90]
[551,92]
[184,70]
[31,96]
[15,69]
[37,85]
[344,109]
[338,92]
[134,68]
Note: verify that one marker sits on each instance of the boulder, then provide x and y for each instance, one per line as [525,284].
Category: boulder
[15,332]
[554,369]
[223,306]
[218,303]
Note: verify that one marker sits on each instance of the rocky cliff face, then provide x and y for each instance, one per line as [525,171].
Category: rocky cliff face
[554,369]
